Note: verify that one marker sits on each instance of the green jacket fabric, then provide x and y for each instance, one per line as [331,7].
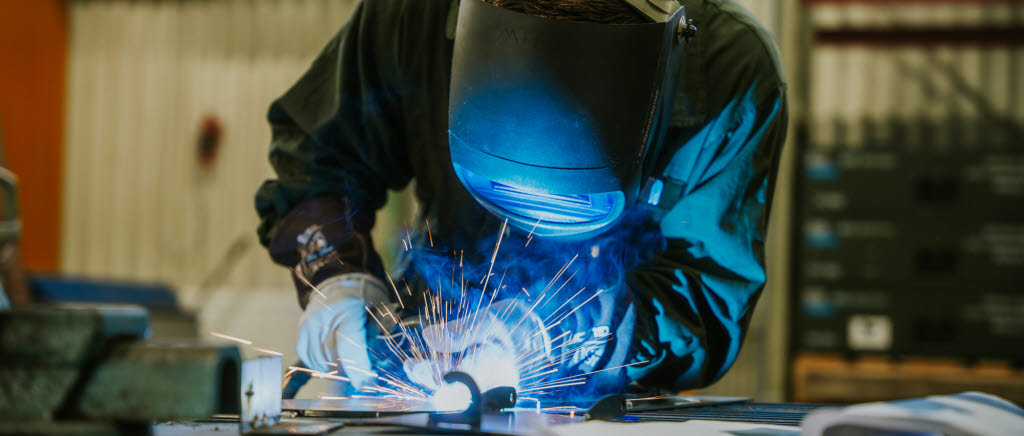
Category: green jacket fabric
[370,116]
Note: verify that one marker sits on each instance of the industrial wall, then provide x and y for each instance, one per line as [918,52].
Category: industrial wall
[148,83]
[143,79]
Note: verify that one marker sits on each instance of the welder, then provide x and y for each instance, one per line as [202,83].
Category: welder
[639,129]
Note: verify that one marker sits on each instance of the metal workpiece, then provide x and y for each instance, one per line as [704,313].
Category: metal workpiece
[66,335]
[152,381]
[472,416]
[355,408]
[260,393]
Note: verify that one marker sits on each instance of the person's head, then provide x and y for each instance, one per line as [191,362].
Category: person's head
[555,103]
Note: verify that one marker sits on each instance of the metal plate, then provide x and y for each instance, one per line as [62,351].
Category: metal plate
[760,413]
[355,407]
[260,393]
[516,422]
[680,402]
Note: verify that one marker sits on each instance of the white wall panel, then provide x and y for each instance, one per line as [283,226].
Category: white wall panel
[142,76]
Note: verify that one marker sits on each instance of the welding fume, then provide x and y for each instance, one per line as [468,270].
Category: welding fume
[594,180]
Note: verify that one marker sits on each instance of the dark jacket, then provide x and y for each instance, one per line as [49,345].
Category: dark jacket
[370,116]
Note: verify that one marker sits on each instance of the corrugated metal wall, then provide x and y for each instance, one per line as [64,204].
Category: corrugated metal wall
[960,68]
[142,76]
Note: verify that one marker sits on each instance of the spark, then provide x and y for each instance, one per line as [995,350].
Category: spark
[231,338]
[399,297]
[458,314]
[303,278]
[495,255]
[319,374]
[429,233]
[261,350]
[561,385]
[407,234]
[530,236]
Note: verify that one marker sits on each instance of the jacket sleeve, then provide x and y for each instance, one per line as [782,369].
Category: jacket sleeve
[338,145]
[695,299]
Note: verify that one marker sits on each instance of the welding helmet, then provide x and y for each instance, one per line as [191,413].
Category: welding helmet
[550,120]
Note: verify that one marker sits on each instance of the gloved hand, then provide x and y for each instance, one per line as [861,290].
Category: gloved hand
[333,327]
[490,345]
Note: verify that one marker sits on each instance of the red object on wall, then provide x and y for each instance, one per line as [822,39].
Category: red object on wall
[208,145]
[33,51]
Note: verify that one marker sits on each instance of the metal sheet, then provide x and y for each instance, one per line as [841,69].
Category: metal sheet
[680,402]
[516,422]
[761,413]
[355,407]
[260,393]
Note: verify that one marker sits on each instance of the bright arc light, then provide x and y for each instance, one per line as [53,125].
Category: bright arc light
[451,398]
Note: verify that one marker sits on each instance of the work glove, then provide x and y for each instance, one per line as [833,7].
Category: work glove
[491,345]
[333,328]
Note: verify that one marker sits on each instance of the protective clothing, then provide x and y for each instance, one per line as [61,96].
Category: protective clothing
[549,120]
[333,327]
[371,114]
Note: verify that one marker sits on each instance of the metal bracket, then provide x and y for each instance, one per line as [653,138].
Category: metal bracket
[472,416]
[493,400]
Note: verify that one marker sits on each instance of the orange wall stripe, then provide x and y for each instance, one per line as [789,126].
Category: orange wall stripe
[33,50]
